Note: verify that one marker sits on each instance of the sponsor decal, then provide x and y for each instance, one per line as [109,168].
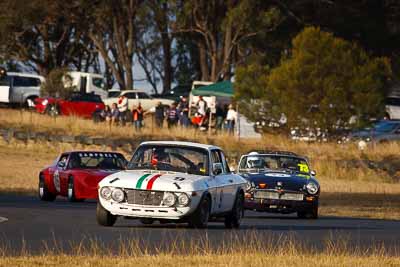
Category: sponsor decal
[151,181]
[303,167]
[141,179]
[56,180]
[277,175]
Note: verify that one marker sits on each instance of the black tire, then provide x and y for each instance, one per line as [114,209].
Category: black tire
[146,221]
[52,110]
[44,193]
[312,213]
[104,217]
[234,218]
[200,217]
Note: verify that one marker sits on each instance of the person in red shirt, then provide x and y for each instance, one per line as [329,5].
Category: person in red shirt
[137,114]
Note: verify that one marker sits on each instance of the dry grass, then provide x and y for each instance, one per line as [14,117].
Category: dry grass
[341,170]
[231,259]
[247,251]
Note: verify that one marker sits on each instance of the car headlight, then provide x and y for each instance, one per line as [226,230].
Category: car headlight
[169,199]
[312,188]
[105,192]
[248,186]
[45,102]
[183,199]
[118,195]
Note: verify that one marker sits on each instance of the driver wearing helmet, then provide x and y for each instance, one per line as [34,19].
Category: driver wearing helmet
[159,156]
[254,161]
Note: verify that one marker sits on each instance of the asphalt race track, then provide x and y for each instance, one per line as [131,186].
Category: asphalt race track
[29,223]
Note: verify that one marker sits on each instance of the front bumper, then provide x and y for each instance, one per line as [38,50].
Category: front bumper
[154,212]
[279,205]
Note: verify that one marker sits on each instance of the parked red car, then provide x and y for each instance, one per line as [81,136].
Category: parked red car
[78,104]
[76,174]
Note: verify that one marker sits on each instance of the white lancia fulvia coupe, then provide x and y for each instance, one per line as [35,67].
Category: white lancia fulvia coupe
[170,181]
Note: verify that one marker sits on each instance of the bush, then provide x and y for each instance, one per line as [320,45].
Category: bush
[58,84]
[323,82]
[331,74]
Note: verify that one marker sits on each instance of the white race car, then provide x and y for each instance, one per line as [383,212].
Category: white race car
[173,182]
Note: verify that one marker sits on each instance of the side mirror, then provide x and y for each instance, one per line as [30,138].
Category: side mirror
[313,173]
[61,164]
[217,168]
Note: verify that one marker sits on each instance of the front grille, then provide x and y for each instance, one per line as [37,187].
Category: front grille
[144,197]
[276,195]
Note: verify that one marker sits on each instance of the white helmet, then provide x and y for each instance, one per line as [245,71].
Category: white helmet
[254,161]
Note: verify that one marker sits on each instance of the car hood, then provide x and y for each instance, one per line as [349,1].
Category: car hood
[99,172]
[156,180]
[293,182]
[50,100]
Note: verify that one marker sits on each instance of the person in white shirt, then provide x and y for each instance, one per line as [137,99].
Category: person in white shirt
[231,118]
[201,106]
[123,108]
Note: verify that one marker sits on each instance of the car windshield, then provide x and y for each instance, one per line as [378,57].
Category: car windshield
[97,160]
[266,163]
[385,127]
[190,160]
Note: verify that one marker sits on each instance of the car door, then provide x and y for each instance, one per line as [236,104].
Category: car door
[231,186]
[222,198]
[395,135]
[60,173]
[85,106]
[132,99]
[145,100]
[5,89]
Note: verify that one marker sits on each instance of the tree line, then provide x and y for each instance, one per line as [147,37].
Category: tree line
[176,41]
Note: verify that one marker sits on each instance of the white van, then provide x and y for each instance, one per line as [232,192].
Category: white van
[20,88]
[88,82]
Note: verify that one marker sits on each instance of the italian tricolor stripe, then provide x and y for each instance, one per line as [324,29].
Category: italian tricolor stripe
[140,181]
[151,182]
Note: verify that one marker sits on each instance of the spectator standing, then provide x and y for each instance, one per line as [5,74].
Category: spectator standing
[137,114]
[201,106]
[172,116]
[123,108]
[183,108]
[219,115]
[114,113]
[231,118]
[159,114]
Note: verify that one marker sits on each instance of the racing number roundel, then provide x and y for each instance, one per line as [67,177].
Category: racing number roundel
[56,180]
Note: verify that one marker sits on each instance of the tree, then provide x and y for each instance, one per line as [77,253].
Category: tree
[43,38]
[323,81]
[324,73]
[58,84]
[154,46]
[111,27]
[220,27]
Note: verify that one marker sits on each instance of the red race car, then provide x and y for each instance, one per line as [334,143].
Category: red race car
[78,104]
[76,174]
